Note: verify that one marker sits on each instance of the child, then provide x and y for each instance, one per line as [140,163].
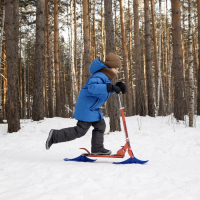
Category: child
[94,94]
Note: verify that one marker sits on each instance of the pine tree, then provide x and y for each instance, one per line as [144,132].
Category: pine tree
[38,100]
[125,60]
[150,77]
[56,60]
[112,106]
[198,92]
[191,70]
[86,40]
[140,88]
[177,61]
[12,37]
[2,19]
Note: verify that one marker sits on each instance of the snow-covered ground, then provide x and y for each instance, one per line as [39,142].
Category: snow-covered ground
[29,172]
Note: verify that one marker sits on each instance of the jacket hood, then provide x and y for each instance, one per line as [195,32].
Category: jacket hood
[96,65]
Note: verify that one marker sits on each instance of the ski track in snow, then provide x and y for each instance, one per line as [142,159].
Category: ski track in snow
[29,172]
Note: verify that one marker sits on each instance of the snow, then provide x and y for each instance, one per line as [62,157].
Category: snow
[30,172]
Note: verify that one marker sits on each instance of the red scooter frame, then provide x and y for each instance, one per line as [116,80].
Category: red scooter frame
[121,152]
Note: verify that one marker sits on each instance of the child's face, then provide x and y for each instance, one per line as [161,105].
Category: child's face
[116,70]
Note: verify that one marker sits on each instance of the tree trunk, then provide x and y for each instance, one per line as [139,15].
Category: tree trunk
[86,41]
[159,77]
[150,77]
[184,40]
[143,65]
[5,85]
[131,74]
[69,76]
[90,27]
[140,90]
[24,92]
[82,52]
[102,34]
[169,53]
[155,44]
[73,70]
[62,88]
[20,77]
[2,14]
[177,61]
[45,64]
[12,37]
[116,25]
[94,41]
[56,60]
[198,92]
[190,62]
[112,104]
[75,40]
[50,90]
[38,100]
[125,61]
[160,101]
[28,82]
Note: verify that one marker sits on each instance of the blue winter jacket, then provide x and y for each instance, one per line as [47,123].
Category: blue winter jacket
[92,95]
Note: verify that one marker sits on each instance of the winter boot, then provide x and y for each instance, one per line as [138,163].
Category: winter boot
[49,141]
[102,152]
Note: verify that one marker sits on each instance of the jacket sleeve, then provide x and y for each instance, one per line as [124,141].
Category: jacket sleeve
[96,86]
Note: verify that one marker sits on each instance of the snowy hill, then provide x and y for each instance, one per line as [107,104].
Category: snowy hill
[29,172]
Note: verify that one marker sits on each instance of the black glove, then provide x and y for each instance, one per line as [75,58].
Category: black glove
[113,88]
[122,87]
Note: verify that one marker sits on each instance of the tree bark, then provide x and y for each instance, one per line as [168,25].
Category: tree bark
[198,92]
[177,61]
[25,91]
[75,40]
[50,89]
[125,61]
[69,76]
[155,43]
[191,70]
[12,37]
[169,56]
[94,41]
[28,80]
[160,101]
[38,100]
[86,41]
[140,90]
[73,70]
[20,78]
[103,49]
[159,77]
[45,63]
[150,77]
[4,86]
[112,104]
[2,12]
[56,60]
[82,52]
[131,74]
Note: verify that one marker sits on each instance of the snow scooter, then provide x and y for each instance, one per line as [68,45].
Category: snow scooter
[120,153]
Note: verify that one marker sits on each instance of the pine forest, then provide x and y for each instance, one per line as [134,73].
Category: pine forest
[47,46]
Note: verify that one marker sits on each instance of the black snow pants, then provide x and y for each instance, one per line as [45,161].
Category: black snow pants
[81,128]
